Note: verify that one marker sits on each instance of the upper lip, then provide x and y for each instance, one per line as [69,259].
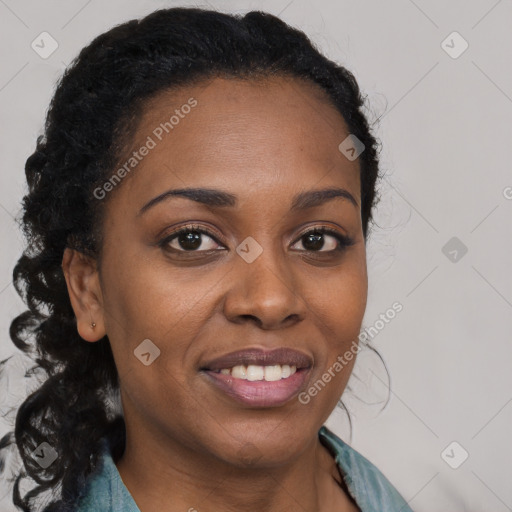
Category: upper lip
[260,357]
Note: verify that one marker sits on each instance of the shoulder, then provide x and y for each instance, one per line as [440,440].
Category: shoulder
[104,488]
[371,490]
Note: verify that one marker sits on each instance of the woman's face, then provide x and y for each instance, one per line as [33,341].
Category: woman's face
[256,280]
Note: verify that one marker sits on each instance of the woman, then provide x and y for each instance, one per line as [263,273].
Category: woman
[197,214]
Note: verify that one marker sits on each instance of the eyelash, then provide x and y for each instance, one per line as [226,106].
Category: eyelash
[343,240]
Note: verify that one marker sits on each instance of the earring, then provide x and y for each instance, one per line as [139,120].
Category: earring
[93,325]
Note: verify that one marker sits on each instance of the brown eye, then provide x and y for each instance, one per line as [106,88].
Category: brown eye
[324,240]
[190,239]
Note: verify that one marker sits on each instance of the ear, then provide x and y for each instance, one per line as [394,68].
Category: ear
[82,279]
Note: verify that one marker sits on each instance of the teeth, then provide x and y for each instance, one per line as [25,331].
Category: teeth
[288,370]
[254,372]
[273,372]
[239,372]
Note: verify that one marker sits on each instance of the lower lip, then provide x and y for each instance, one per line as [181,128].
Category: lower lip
[259,393]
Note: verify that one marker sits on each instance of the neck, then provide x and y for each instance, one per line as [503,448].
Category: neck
[167,476]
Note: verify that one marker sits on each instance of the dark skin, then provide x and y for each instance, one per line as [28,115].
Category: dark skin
[188,444]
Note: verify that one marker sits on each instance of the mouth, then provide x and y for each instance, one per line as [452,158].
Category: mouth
[255,373]
[259,378]
[260,357]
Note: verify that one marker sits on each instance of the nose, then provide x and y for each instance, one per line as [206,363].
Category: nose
[266,292]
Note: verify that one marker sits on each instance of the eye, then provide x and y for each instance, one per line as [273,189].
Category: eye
[323,239]
[190,239]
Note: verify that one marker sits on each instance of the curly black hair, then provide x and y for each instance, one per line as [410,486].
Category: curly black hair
[90,120]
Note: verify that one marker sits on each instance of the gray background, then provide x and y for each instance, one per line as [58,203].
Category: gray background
[445,129]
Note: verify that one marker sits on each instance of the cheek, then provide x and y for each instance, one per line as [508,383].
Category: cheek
[340,299]
[153,297]
[152,303]
[339,310]
[151,300]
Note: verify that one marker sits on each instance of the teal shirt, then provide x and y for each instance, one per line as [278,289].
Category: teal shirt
[371,490]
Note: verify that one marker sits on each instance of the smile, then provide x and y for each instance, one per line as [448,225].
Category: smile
[254,388]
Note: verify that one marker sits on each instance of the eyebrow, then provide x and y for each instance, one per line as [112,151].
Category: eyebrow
[220,199]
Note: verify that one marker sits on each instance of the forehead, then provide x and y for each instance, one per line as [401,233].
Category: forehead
[232,132]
